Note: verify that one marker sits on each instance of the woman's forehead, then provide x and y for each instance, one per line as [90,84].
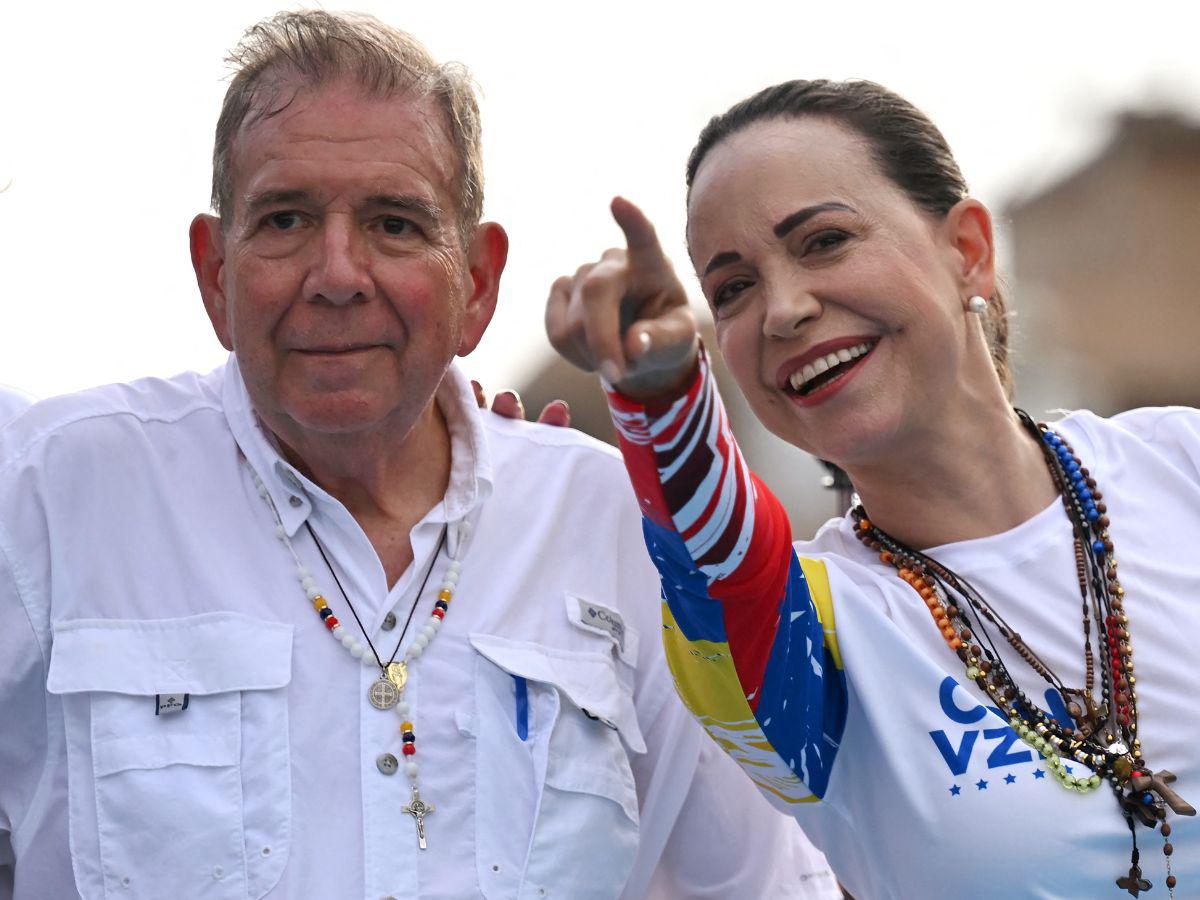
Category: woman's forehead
[769,169]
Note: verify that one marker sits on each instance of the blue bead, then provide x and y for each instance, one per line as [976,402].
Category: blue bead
[1085,494]
[1098,546]
[326,613]
[1147,798]
[1092,514]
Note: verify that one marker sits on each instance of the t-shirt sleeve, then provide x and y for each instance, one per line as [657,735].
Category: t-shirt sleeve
[1173,432]
[747,625]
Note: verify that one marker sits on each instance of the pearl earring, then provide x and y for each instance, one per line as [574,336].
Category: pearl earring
[977,305]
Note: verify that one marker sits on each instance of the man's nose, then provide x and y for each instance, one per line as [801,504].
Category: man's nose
[341,271]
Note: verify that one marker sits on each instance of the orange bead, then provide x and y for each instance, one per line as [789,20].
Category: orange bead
[444,594]
[865,525]
[944,624]
[319,602]
[938,612]
[955,644]
[949,635]
[926,591]
[406,726]
[886,556]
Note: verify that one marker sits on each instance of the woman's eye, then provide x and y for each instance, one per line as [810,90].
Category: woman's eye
[825,240]
[730,290]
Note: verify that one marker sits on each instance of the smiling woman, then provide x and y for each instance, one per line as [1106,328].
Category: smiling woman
[911,683]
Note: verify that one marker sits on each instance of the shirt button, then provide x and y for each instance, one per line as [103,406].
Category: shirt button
[295,501]
[387,763]
[389,621]
[218,873]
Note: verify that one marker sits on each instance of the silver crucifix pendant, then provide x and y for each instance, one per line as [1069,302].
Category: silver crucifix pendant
[419,809]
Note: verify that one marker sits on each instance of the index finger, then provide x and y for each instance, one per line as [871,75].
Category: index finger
[645,252]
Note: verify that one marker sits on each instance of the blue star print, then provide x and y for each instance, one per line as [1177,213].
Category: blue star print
[981,784]
[955,790]
[1010,778]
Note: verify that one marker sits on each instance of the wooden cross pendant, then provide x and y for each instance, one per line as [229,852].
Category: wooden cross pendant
[1134,882]
[1156,783]
[419,809]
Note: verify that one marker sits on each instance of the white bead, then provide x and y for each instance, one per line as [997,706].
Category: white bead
[428,633]
[301,574]
[414,651]
[368,659]
[403,708]
[422,640]
[455,566]
[312,593]
[977,305]
[435,623]
[356,649]
[410,769]
[308,582]
[338,631]
[347,639]
[450,580]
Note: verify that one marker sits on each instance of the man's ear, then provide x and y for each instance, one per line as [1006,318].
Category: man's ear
[485,259]
[208,260]
[968,226]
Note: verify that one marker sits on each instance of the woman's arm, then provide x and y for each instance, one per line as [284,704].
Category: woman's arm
[748,627]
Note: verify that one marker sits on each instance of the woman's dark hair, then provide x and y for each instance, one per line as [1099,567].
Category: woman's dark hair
[908,148]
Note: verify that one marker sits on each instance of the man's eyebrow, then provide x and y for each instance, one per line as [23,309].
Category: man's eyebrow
[261,199]
[407,203]
[800,216]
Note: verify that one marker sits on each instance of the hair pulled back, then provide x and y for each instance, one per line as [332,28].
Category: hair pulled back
[908,148]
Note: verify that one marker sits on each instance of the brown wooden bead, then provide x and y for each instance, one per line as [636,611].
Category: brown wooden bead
[1009,693]
[985,666]
[1168,849]
[1171,881]
[1165,829]
[1100,507]
[1103,522]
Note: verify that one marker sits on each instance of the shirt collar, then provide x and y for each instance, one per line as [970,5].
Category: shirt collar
[295,496]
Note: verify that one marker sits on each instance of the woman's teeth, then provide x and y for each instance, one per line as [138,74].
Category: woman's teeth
[825,363]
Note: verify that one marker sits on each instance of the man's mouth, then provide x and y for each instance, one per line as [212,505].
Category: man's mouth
[823,371]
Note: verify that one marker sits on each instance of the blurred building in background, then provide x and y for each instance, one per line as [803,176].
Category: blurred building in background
[1103,276]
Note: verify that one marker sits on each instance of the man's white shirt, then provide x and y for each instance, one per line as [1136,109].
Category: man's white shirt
[137,559]
[12,402]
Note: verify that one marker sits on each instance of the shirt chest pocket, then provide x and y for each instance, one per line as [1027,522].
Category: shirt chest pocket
[554,732]
[176,803]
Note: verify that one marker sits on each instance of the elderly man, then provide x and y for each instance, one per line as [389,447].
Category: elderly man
[313,625]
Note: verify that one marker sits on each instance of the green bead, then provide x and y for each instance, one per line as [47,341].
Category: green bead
[973,672]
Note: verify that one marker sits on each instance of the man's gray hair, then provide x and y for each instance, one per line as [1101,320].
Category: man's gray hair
[316,47]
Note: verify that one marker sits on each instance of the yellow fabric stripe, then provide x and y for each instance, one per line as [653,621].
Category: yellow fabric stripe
[707,682]
[817,577]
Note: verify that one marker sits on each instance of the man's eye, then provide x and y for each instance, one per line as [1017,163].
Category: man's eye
[284,221]
[396,225]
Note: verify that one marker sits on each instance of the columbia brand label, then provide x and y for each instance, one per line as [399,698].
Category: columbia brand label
[169,703]
[603,619]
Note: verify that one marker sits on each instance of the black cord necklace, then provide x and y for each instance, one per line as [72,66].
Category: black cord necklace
[383,666]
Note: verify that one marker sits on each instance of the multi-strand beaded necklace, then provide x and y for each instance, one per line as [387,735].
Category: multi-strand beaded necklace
[388,691]
[1102,734]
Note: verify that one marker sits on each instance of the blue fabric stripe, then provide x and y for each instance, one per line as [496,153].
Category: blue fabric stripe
[522,692]
[684,586]
[802,711]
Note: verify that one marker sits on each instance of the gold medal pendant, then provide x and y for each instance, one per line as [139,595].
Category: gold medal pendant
[397,674]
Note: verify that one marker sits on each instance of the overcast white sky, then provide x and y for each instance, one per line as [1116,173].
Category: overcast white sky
[108,112]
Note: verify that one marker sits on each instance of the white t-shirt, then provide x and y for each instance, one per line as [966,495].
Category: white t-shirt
[136,559]
[934,790]
[823,674]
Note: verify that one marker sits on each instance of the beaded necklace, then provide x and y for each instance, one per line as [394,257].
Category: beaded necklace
[388,691]
[1102,734]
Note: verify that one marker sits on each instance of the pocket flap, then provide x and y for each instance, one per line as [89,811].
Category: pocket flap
[206,654]
[587,679]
